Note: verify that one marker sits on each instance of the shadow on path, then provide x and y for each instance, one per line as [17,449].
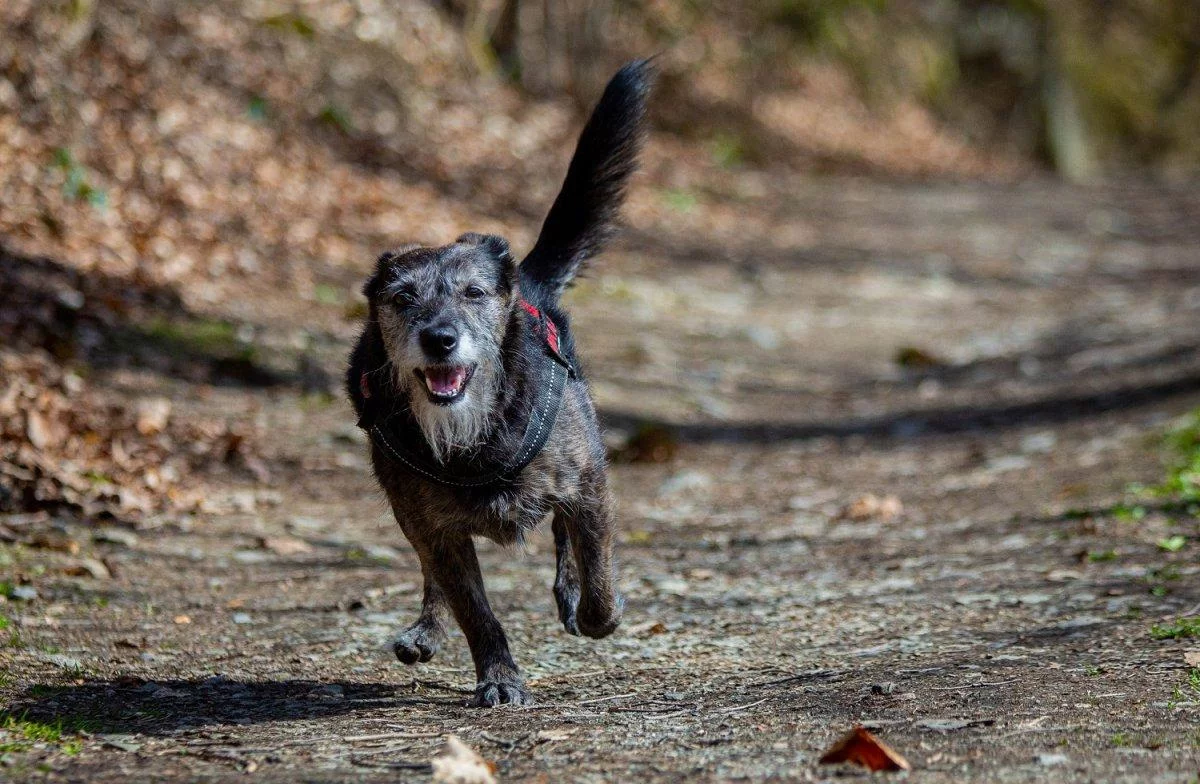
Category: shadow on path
[110,321]
[132,706]
[913,423]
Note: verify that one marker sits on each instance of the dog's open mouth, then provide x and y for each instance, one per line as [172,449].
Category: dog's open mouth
[445,383]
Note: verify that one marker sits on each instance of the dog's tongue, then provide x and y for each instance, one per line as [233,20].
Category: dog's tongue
[445,381]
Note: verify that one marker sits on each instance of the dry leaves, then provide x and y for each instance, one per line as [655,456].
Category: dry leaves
[870,506]
[64,445]
[460,764]
[860,747]
[285,545]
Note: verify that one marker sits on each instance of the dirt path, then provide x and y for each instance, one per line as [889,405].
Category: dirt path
[997,629]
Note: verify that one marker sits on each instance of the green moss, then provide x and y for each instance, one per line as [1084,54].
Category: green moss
[335,116]
[1176,630]
[21,732]
[680,200]
[1172,544]
[293,23]
[1183,474]
[1189,691]
[199,336]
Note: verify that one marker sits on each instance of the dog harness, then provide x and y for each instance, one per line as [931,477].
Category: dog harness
[548,396]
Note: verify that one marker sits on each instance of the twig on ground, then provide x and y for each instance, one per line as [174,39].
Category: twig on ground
[973,685]
[441,686]
[737,708]
[503,743]
[1026,730]
[799,676]
[391,736]
[422,767]
[603,699]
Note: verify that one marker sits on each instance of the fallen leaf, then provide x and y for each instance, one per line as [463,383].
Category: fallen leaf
[285,545]
[182,619]
[651,444]
[1192,658]
[37,429]
[549,736]
[870,506]
[122,742]
[646,629]
[949,725]
[460,764]
[87,567]
[50,540]
[913,357]
[860,747]
[152,416]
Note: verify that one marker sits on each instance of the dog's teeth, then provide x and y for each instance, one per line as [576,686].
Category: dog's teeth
[445,383]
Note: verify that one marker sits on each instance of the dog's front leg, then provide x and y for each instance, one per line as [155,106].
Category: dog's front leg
[589,526]
[566,576]
[419,642]
[452,561]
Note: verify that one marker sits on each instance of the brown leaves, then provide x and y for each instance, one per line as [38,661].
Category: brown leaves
[64,445]
[460,764]
[285,545]
[860,747]
[152,416]
[650,444]
[871,506]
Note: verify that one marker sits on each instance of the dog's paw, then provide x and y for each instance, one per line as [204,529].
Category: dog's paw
[566,596]
[501,691]
[418,643]
[600,622]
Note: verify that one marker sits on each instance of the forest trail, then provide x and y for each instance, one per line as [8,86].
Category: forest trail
[893,432]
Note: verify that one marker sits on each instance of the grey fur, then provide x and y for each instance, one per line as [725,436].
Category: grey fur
[462,302]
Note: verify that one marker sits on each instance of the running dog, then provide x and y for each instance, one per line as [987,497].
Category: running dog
[480,421]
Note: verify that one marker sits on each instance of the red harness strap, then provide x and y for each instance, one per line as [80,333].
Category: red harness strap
[550,335]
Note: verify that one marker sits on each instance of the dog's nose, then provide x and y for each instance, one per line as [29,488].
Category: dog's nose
[439,341]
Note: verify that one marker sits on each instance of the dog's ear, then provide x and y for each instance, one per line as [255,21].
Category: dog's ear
[498,248]
[382,266]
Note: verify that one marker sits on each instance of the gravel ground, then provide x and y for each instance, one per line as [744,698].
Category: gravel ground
[988,614]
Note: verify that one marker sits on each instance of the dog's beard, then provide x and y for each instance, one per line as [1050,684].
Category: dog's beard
[462,424]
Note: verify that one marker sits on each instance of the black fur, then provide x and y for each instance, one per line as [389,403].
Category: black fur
[583,216]
[475,286]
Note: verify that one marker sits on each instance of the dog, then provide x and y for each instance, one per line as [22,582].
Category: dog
[480,422]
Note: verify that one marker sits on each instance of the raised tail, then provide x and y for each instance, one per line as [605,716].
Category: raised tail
[584,214]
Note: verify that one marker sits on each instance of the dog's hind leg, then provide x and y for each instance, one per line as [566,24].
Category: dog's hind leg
[452,561]
[566,577]
[419,642]
[589,527]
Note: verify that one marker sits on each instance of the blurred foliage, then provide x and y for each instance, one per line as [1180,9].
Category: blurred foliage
[1183,478]
[1079,85]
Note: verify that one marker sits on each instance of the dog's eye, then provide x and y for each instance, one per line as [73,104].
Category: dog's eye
[474,292]
[404,298]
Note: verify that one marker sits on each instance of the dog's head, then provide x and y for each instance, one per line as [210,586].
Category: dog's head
[443,314]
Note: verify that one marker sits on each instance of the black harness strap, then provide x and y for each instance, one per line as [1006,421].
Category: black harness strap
[542,415]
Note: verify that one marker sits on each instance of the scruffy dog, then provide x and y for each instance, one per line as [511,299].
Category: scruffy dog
[480,421]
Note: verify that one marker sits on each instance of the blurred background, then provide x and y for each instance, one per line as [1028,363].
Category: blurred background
[194,191]
[906,299]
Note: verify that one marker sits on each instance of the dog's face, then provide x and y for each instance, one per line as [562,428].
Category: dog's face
[443,314]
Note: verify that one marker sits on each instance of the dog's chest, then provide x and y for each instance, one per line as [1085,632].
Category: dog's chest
[518,509]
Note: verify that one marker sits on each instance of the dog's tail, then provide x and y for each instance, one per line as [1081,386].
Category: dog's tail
[583,216]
